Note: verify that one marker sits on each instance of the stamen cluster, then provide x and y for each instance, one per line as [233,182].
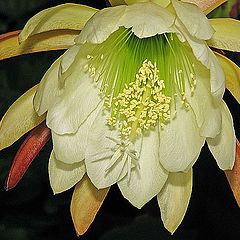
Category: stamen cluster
[142,103]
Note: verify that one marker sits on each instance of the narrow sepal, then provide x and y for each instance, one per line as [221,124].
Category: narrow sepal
[233,175]
[86,202]
[35,141]
[47,41]
[232,75]
[19,119]
[62,17]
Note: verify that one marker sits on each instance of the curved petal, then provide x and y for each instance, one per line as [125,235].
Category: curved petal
[105,166]
[65,16]
[79,96]
[64,176]
[199,26]
[174,198]
[227,34]
[232,75]
[71,148]
[48,89]
[53,40]
[148,178]
[209,60]
[19,119]
[136,15]
[180,142]
[206,109]
[101,25]
[72,107]
[223,147]
[105,22]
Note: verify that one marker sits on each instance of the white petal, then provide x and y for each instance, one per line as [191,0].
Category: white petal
[174,198]
[223,147]
[71,148]
[193,19]
[64,176]
[147,180]
[99,155]
[78,100]
[47,89]
[101,25]
[206,108]
[180,142]
[208,59]
[145,19]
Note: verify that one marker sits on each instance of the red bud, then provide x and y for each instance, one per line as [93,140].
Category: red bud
[30,148]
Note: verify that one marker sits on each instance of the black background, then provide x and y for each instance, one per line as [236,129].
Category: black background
[31,211]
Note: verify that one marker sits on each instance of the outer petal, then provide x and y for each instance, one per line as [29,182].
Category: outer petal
[134,16]
[147,180]
[53,40]
[64,176]
[65,16]
[227,34]
[194,20]
[180,142]
[99,154]
[232,74]
[174,198]
[19,119]
[71,148]
[48,89]
[223,147]
[207,58]
[78,99]
[207,110]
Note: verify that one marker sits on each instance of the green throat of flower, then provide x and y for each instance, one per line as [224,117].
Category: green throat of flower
[141,79]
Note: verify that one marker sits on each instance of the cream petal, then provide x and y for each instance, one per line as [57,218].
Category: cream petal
[174,198]
[147,19]
[78,100]
[101,25]
[147,179]
[205,108]
[68,58]
[141,17]
[71,148]
[64,176]
[223,147]
[47,89]
[100,157]
[180,142]
[208,59]
[193,19]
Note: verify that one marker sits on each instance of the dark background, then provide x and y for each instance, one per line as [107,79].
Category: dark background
[31,211]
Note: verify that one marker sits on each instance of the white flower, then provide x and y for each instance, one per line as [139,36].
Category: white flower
[133,102]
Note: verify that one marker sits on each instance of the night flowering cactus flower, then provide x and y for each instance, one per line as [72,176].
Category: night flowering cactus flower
[133,101]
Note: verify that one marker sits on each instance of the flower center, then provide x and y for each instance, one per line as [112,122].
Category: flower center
[142,79]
